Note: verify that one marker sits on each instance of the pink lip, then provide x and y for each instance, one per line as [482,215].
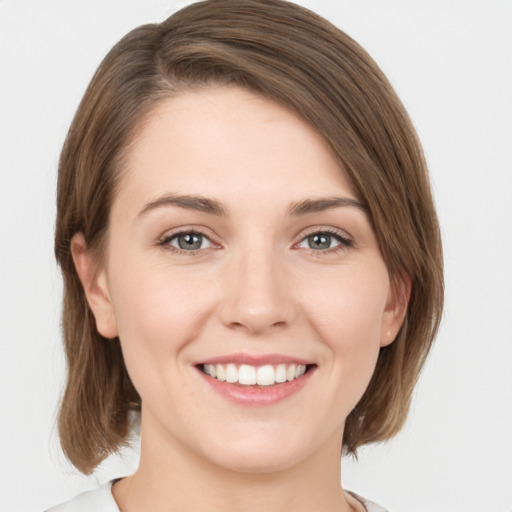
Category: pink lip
[254,360]
[256,395]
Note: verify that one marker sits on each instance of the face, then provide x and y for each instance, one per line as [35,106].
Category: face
[245,282]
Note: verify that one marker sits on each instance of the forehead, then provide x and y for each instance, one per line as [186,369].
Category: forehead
[229,142]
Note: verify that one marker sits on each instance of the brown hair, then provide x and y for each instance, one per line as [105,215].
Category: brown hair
[298,59]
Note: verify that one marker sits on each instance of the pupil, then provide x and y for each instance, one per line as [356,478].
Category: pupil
[190,241]
[319,241]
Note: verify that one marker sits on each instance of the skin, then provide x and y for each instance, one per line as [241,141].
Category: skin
[255,286]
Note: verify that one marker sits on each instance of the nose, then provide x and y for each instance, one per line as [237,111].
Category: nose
[258,296]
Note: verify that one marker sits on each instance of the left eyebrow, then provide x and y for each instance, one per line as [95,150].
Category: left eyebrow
[189,202]
[322,204]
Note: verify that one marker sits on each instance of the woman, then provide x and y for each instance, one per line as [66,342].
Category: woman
[251,259]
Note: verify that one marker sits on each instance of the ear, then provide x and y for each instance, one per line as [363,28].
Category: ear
[94,282]
[396,308]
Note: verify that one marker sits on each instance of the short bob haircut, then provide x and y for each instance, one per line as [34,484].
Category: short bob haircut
[291,56]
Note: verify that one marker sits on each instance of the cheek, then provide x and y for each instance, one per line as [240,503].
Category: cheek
[157,315]
[154,301]
[348,319]
[158,311]
[349,311]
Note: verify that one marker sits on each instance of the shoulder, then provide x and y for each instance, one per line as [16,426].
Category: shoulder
[99,499]
[369,505]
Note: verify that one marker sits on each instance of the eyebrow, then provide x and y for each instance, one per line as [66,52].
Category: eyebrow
[190,202]
[214,207]
[319,205]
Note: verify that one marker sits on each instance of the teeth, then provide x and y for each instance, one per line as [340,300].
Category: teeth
[231,373]
[247,375]
[221,373]
[265,375]
[281,373]
[290,372]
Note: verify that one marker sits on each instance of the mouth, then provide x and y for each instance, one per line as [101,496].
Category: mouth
[249,380]
[247,375]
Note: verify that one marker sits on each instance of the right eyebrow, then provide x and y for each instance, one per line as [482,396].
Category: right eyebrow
[190,202]
[325,203]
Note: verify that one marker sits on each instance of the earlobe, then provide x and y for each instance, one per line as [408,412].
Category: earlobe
[396,309]
[94,282]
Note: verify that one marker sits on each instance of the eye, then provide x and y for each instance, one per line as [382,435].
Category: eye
[188,241]
[323,241]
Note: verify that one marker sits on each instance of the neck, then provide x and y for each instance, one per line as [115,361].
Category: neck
[172,478]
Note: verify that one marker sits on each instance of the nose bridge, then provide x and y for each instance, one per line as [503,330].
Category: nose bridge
[258,297]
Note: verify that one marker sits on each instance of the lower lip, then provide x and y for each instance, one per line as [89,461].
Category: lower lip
[257,395]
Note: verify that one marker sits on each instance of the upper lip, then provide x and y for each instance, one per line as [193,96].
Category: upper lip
[254,360]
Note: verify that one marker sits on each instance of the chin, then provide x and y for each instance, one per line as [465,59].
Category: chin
[258,452]
[260,461]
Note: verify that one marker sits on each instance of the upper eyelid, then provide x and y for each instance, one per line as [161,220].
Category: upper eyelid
[325,229]
[199,230]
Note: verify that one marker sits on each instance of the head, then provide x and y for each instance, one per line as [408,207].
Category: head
[279,52]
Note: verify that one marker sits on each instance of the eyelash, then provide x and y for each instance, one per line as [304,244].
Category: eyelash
[166,240]
[344,241]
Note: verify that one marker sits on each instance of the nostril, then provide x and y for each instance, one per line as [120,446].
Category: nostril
[237,326]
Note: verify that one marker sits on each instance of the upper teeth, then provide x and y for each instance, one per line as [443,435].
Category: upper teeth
[248,375]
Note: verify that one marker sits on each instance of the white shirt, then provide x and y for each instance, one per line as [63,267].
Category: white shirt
[102,500]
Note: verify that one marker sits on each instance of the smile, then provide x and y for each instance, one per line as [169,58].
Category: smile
[256,380]
[248,375]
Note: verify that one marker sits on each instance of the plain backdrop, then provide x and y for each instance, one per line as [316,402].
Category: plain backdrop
[450,62]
